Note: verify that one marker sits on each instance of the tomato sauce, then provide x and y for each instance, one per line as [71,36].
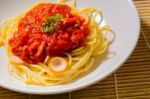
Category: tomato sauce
[32,44]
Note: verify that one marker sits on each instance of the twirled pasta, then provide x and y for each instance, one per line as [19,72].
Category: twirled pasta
[79,60]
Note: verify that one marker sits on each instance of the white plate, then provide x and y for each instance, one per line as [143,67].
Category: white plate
[121,15]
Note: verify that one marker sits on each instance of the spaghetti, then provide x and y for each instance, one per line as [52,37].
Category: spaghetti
[62,65]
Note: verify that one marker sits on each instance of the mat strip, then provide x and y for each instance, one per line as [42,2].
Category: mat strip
[131,81]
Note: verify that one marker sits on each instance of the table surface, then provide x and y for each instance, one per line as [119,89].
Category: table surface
[131,81]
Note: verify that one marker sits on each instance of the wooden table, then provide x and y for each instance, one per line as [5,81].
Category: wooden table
[131,81]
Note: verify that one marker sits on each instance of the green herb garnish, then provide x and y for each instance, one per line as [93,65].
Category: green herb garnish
[51,22]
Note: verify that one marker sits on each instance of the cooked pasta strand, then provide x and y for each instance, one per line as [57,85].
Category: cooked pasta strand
[79,60]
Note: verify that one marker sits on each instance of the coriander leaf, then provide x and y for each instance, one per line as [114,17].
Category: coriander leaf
[51,27]
[51,22]
[46,29]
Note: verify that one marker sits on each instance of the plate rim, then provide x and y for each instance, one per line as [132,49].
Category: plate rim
[93,81]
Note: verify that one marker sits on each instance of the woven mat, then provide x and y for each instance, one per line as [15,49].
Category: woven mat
[131,81]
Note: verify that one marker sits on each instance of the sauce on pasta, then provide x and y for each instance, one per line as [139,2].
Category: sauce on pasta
[32,42]
[52,44]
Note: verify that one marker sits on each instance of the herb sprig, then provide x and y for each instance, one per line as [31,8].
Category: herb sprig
[52,21]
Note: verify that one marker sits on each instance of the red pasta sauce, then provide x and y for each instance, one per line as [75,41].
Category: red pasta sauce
[32,44]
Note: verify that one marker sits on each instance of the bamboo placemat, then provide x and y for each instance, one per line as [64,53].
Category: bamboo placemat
[131,81]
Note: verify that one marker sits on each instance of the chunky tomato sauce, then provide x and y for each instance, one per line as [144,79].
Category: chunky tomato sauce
[32,44]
